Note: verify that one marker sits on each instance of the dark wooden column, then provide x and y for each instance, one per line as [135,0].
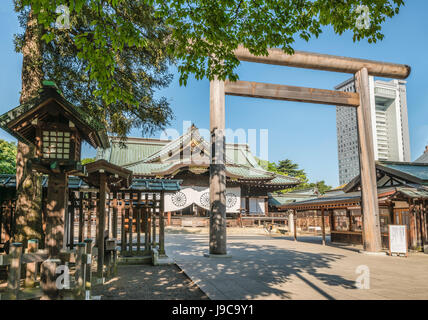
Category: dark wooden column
[369,199]
[56,206]
[130,223]
[217,240]
[81,217]
[295,224]
[162,225]
[154,221]
[101,224]
[114,217]
[323,226]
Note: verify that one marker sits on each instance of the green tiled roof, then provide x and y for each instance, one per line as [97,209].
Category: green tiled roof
[9,181]
[416,170]
[148,168]
[278,199]
[143,157]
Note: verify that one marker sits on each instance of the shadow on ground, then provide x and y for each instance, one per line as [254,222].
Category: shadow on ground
[256,270]
[146,282]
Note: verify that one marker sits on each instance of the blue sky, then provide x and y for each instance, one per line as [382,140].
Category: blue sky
[304,133]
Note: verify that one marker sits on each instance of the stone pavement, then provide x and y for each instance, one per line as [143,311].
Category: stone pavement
[264,267]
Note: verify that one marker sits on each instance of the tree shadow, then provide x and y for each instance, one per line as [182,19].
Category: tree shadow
[255,270]
[147,282]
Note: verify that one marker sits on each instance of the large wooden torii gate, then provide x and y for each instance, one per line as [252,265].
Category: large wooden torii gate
[359,100]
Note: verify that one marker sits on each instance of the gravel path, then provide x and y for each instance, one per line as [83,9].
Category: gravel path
[146,282]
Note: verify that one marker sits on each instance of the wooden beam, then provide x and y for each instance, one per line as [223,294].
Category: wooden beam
[291,93]
[317,61]
[369,196]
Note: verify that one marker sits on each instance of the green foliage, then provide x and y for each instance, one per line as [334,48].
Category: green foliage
[203,33]
[288,168]
[7,157]
[87,160]
[110,63]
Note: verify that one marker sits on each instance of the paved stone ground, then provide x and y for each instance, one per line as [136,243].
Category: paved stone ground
[146,282]
[264,267]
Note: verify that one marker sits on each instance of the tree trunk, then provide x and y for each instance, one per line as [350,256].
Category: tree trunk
[29,190]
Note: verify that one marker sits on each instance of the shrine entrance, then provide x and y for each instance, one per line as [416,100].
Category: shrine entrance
[361,69]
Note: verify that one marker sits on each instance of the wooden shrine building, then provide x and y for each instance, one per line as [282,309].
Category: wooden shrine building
[187,158]
[403,200]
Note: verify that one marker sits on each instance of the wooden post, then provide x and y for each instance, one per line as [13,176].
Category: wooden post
[130,223]
[369,199]
[217,241]
[81,217]
[31,271]
[154,222]
[138,226]
[48,278]
[80,270]
[114,218]
[323,226]
[169,218]
[146,225]
[56,206]
[295,224]
[101,225]
[88,272]
[89,214]
[122,232]
[161,225]
[14,275]
[72,212]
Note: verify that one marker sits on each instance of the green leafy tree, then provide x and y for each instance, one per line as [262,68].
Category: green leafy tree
[205,33]
[7,157]
[289,168]
[139,71]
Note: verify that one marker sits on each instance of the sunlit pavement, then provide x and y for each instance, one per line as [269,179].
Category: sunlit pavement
[263,267]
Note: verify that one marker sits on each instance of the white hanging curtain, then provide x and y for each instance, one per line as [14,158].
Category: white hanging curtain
[201,197]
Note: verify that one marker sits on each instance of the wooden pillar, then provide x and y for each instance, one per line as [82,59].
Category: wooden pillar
[122,229]
[101,224]
[217,241]
[369,199]
[48,278]
[323,226]
[130,223]
[154,222]
[72,213]
[89,217]
[56,206]
[114,217]
[138,227]
[169,218]
[81,217]
[295,224]
[88,272]
[161,225]
[348,214]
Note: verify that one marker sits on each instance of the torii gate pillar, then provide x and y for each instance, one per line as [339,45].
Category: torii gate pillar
[217,170]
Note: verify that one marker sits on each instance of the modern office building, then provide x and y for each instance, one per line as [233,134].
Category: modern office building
[389,123]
